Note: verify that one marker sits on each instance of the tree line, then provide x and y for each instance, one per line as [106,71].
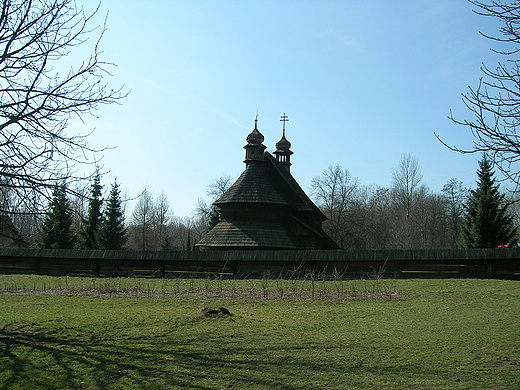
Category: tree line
[408,215]
[86,218]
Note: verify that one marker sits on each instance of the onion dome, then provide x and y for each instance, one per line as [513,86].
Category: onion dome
[283,144]
[255,137]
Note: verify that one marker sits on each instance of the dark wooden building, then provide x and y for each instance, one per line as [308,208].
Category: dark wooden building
[266,208]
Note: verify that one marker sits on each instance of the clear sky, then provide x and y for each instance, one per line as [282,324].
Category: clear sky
[362,83]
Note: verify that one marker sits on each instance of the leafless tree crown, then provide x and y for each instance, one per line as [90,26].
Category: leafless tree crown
[495,102]
[37,100]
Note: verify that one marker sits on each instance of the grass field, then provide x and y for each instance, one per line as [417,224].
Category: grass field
[79,333]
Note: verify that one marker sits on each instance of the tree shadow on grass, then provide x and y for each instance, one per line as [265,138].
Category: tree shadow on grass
[36,358]
[28,355]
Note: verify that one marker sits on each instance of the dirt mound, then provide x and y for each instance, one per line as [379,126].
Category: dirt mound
[215,312]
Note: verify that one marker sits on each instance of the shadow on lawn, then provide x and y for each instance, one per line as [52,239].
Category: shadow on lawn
[38,359]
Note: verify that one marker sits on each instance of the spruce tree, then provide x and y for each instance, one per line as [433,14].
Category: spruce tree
[92,225]
[113,233]
[166,244]
[214,218]
[487,223]
[56,229]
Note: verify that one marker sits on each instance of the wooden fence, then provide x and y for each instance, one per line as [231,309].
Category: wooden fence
[476,263]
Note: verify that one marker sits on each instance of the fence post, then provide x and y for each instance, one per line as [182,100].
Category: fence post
[490,269]
[163,269]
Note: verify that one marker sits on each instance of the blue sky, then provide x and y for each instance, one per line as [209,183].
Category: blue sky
[363,82]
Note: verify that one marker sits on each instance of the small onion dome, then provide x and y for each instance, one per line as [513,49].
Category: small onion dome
[283,144]
[255,137]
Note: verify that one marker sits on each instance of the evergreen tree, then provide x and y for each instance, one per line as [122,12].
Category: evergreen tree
[113,233]
[56,231]
[166,245]
[487,223]
[214,217]
[92,225]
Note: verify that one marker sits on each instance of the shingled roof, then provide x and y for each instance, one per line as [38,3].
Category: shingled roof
[253,186]
[263,235]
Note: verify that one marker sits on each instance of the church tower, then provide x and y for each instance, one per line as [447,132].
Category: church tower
[254,148]
[283,152]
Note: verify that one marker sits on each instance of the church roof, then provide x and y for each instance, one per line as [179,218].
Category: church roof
[253,186]
[293,193]
[271,184]
[243,234]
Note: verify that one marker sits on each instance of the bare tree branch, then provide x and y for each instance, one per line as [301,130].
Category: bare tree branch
[495,103]
[37,101]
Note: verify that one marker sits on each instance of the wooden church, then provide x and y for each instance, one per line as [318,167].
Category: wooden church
[266,208]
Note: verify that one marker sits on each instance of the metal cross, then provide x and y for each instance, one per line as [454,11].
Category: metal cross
[284,118]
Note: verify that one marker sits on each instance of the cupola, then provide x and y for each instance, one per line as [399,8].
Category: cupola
[283,152]
[254,148]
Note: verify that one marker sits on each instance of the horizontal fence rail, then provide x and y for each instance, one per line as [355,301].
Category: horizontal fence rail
[472,263]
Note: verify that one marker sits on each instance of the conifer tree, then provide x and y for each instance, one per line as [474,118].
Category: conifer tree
[92,225]
[113,233]
[487,223]
[56,230]
[166,244]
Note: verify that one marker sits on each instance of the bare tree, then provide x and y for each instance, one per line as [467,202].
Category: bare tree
[379,219]
[335,193]
[162,216]
[406,183]
[456,195]
[27,221]
[184,233]
[218,186]
[37,102]
[407,216]
[142,222]
[206,213]
[408,194]
[430,223]
[495,102]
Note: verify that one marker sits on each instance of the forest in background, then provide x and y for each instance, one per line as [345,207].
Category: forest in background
[407,215]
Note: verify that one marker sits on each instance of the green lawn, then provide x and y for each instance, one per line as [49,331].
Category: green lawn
[440,334]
